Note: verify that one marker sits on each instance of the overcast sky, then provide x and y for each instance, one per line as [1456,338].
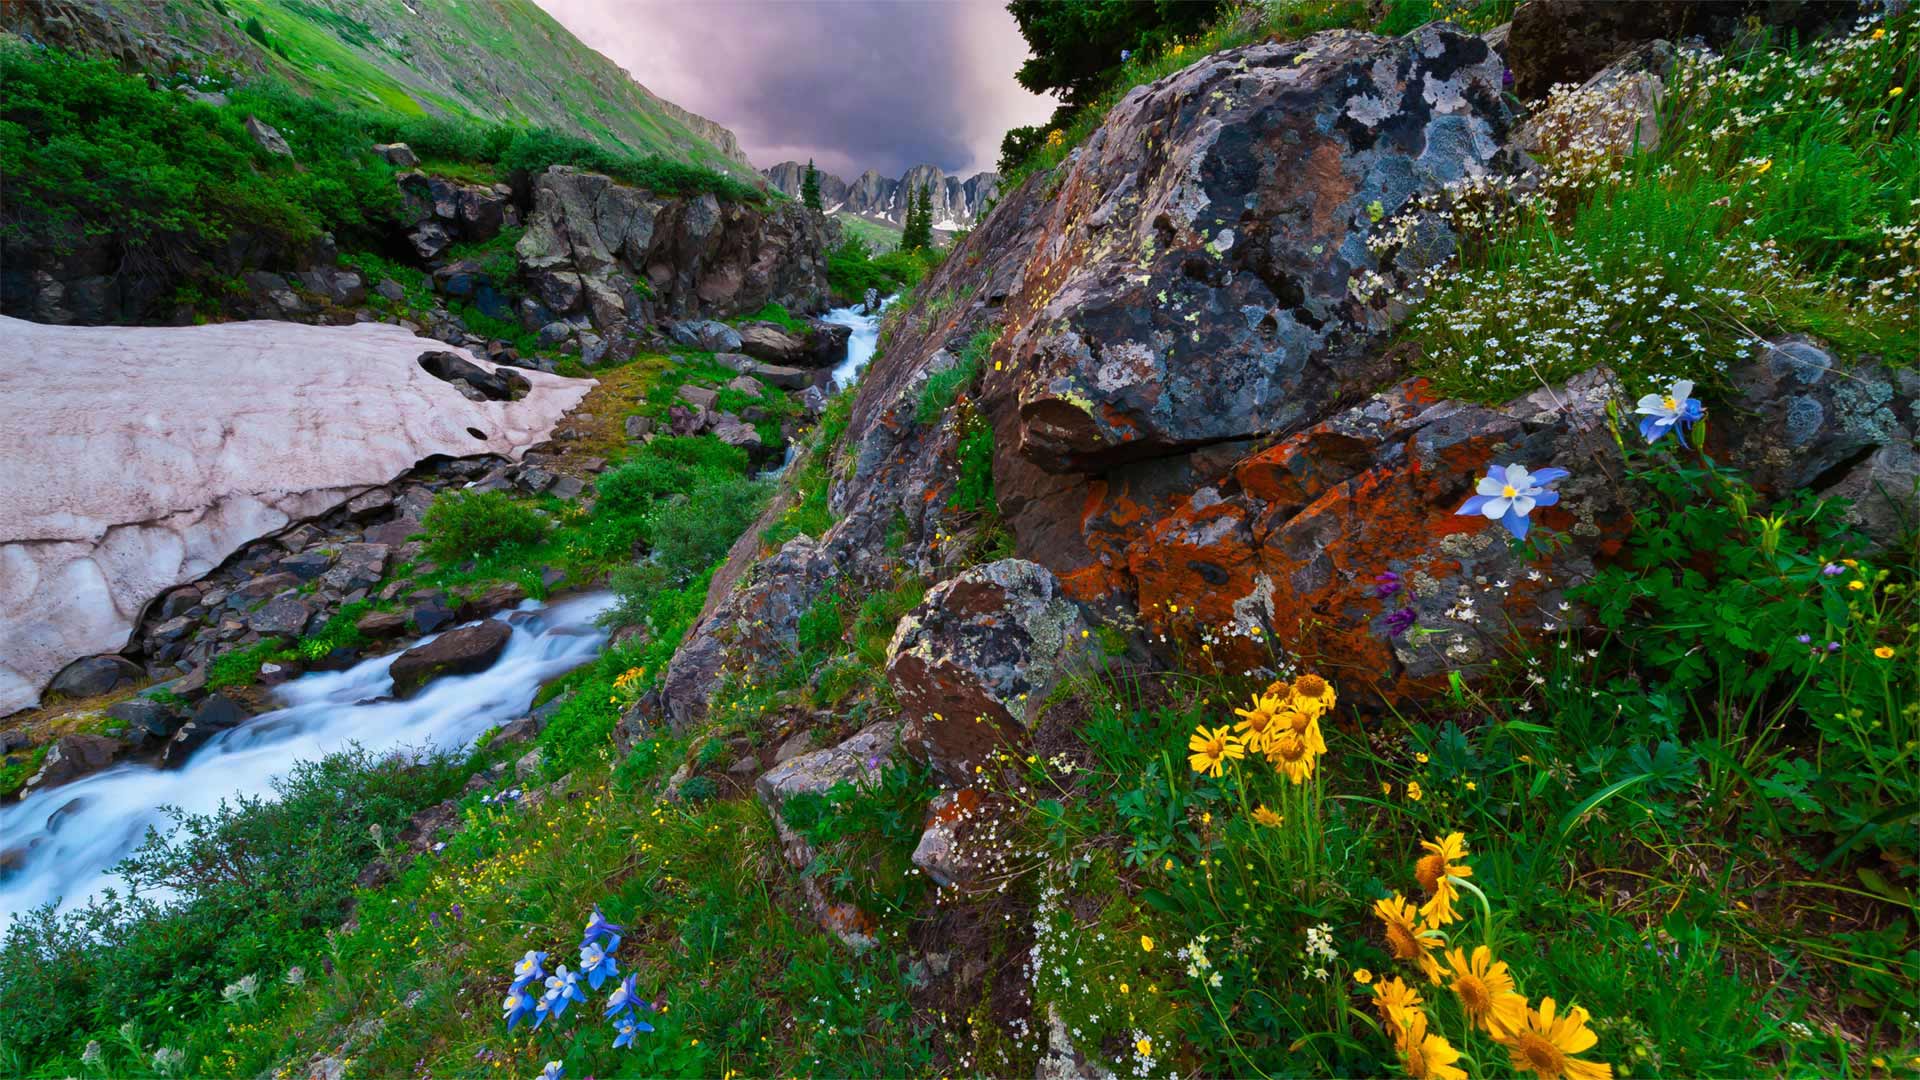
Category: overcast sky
[853,84]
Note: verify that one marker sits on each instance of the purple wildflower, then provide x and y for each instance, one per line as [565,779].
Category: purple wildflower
[1389,583]
[1399,622]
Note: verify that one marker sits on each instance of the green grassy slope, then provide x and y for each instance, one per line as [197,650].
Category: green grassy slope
[499,60]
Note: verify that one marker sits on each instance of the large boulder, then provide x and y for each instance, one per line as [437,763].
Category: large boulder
[72,757]
[706,334]
[461,651]
[825,343]
[973,664]
[95,675]
[747,626]
[161,451]
[1194,286]
[770,344]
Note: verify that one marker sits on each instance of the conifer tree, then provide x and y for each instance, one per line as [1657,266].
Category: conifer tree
[917,230]
[810,187]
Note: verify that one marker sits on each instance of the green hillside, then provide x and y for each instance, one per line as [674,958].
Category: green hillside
[502,61]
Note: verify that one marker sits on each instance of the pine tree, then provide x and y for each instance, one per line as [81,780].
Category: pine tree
[810,187]
[917,230]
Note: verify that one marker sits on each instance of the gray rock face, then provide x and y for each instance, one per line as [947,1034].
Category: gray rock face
[760,621]
[697,256]
[767,342]
[456,652]
[973,663]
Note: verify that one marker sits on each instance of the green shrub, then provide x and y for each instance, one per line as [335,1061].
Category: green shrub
[240,667]
[633,487]
[462,525]
[944,386]
[973,488]
[853,268]
[820,627]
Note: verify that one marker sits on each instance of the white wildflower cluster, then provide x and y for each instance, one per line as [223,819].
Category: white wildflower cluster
[1319,953]
[1198,965]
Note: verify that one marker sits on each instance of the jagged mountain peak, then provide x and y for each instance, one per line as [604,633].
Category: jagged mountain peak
[957,203]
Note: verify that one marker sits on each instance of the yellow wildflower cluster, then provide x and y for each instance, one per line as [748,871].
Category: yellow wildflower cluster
[1542,1040]
[1282,723]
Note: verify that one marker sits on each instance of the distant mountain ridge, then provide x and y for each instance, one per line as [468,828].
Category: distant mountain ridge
[957,203]
[503,61]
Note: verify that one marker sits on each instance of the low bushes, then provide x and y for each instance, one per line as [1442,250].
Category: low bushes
[463,525]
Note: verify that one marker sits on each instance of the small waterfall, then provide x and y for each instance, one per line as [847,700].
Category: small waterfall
[861,346]
[75,834]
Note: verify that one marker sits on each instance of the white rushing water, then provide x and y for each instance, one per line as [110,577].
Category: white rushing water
[77,832]
[861,346]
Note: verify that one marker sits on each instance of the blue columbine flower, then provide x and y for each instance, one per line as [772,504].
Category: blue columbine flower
[528,969]
[599,927]
[596,965]
[1664,413]
[628,1026]
[1508,493]
[624,997]
[563,988]
[553,1071]
[542,1009]
[518,1004]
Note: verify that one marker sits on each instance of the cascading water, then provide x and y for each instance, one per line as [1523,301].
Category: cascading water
[73,835]
[861,346]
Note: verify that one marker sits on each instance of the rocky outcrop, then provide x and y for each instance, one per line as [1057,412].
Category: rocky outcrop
[957,203]
[1199,428]
[457,652]
[604,255]
[442,212]
[152,454]
[972,665]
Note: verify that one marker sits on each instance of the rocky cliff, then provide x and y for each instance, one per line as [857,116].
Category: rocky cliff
[1199,431]
[957,203]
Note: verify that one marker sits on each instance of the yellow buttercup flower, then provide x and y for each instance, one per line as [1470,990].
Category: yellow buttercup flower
[1485,989]
[1427,1056]
[1145,1046]
[1442,861]
[1544,1044]
[1394,998]
[1856,585]
[1257,723]
[1213,749]
[1414,791]
[1884,652]
[1264,816]
[1146,943]
[1362,976]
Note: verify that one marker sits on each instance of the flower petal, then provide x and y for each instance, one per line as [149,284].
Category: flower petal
[1682,390]
[1523,505]
[1518,476]
[1546,498]
[1489,486]
[1473,505]
[1495,509]
[1516,524]
[1549,475]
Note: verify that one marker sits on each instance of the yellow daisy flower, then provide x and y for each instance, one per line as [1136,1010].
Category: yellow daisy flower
[1264,816]
[1212,749]
[1427,1056]
[1485,989]
[1313,695]
[1291,755]
[1257,723]
[1394,999]
[1544,1044]
[1443,860]
[1405,939]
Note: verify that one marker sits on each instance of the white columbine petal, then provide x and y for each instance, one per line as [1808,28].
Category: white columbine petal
[1682,390]
[1523,505]
[1495,509]
[1519,478]
[1489,487]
